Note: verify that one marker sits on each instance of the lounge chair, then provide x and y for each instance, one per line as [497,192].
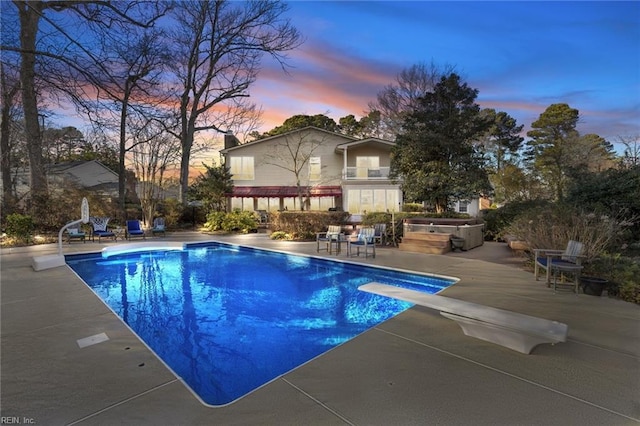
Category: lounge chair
[158,226]
[99,228]
[364,239]
[134,230]
[75,234]
[333,234]
[567,260]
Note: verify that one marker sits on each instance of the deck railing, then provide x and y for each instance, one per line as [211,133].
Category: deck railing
[366,173]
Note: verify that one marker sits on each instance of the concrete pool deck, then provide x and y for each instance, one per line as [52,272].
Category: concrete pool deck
[417,368]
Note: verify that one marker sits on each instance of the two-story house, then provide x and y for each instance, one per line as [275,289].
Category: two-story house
[329,170]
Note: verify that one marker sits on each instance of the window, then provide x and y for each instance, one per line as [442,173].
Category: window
[364,166]
[463,206]
[241,168]
[314,169]
[370,200]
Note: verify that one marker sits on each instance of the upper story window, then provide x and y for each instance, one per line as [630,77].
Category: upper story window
[242,168]
[367,166]
[315,168]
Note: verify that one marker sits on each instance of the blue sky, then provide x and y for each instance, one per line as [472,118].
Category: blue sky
[521,56]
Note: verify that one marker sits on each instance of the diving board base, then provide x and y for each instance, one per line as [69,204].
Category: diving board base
[491,333]
[40,263]
[512,330]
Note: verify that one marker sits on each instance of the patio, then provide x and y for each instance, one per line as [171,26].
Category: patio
[417,368]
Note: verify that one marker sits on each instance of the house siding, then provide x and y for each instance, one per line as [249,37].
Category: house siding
[269,174]
[335,151]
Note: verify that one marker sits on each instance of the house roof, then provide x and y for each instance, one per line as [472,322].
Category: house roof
[69,166]
[283,191]
[368,141]
[308,128]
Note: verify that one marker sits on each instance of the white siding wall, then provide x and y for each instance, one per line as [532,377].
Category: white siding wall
[269,174]
[473,207]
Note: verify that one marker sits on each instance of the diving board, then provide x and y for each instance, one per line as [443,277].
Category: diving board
[506,328]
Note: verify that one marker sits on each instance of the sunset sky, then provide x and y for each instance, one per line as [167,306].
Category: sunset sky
[521,56]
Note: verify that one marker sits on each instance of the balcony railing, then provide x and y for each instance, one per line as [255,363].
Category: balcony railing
[366,173]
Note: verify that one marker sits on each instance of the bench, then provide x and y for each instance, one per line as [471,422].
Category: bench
[515,331]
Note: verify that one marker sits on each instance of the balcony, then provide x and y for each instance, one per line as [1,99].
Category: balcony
[366,173]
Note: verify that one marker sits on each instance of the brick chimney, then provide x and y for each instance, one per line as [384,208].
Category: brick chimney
[230,140]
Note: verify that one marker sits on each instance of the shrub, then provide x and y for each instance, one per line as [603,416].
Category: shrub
[215,221]
[622,273]
[497,220]
[395,230]
[19,227]
[412,207]
[554,226]
[371,219]
[235,221]
[303,225]
[172,209]
[240,221]
[280,235]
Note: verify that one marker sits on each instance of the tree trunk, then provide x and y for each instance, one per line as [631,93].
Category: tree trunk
[8,94]
[29,17]
[187,136]
[122,150]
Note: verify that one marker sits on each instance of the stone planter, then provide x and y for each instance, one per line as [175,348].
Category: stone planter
[593,286]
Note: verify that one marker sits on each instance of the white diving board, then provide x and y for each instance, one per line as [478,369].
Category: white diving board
[510,329]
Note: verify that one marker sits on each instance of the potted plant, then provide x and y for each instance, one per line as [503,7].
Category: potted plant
[596,278]
[593,286]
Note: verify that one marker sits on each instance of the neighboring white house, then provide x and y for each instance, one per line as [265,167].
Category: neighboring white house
[471,207]
[91,175]
[339,172]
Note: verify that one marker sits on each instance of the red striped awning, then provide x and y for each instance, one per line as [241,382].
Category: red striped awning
[283,191]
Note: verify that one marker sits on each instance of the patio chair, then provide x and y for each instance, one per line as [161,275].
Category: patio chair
[364,239]
[158,226]
[263,216]
[134,230]
[333,234]
[568,259]
[99,228]
[75,234]
[380,235]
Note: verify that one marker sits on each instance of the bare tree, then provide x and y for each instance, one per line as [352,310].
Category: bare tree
[397,100]
[9,91]
[293,154]
[217,56]
[114,15]
[29,15]
[631,150]
[133,65]
[153,154]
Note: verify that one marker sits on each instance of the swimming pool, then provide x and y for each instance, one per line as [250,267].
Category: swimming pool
[229,319]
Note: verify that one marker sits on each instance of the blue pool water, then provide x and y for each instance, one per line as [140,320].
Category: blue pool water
[229,319]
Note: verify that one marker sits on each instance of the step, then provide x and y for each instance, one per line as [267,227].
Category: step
[422,248]
[426,236]
[439,244]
